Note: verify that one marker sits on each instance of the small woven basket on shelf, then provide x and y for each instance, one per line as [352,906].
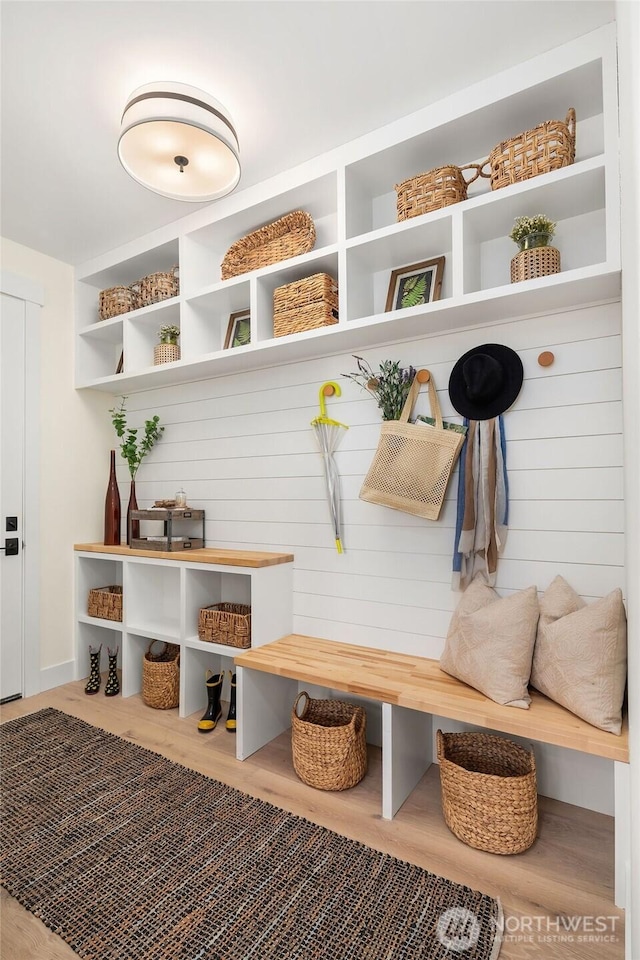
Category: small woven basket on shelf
[165,353]
[549,146]
[489,796]
[433,190]
[157,286]
[227,623]
[535,262]
[105,602]
[161,676]
[290,236]
[117,300]
[328,742]
[305,305]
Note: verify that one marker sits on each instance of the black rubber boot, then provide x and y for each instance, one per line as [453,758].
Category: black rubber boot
[94,681]
[230,724]
[113,684]
[214,710]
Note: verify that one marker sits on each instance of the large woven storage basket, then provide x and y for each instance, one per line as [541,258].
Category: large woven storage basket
[433,190]
[157,287]
[117,300]
[227,623]
[549,146]
[161,676]
[105,602]
[290,236]
[305,305]
[328,742]
[489,796]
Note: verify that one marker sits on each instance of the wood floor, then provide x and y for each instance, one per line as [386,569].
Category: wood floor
[568,873]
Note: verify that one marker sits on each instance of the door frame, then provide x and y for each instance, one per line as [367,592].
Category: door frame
[32,293]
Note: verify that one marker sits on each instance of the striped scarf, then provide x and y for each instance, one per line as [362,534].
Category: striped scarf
[483,503]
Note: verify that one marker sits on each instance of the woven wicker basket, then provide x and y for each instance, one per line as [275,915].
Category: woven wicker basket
[156,287]
[161,676]
[549,146]
[105,602]
[117,300]
[165,353]
[535,262]
[328,742]
[438,188]
[489,796]
[305,305]
[227,623]
[287,237]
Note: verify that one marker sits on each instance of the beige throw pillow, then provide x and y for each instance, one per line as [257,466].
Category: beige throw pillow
[490,642]
[580,657]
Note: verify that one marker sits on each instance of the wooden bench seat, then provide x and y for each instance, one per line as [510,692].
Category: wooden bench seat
[418,684]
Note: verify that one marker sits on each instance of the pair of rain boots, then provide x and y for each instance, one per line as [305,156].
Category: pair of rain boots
[93,683]
[213,712]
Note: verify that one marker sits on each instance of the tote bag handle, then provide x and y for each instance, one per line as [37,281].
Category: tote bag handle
[412,396]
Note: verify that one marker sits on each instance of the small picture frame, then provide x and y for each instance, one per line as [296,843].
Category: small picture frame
[238,330]
[415,284]
[120,366]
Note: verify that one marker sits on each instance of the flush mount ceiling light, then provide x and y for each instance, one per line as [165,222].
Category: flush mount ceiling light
[179,142]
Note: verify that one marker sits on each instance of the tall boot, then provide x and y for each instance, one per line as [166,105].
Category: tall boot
[214,711]
[113,684]
[94,681]
[231,716]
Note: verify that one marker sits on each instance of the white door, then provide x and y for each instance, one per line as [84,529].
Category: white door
[12,436]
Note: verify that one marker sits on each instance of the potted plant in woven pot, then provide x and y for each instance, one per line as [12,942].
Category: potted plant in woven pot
[537,258]
[168,349]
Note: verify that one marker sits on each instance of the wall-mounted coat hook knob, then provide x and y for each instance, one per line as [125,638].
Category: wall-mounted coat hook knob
[546,358]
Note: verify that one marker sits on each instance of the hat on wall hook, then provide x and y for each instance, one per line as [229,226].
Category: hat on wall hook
[179,142]
[485,381]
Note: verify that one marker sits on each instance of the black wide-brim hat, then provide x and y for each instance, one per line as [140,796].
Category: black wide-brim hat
[485,381]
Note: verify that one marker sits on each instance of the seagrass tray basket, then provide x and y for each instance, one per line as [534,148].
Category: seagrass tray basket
[105,602]
[305,305]
[433,190]
[549,146]
[227,623]
[489,795]
[157,286]
[328,742]
[117,300]
[535,262]
[161,676]
[290,236]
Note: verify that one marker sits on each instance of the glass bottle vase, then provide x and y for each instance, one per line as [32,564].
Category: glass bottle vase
[133,526]
[112,507]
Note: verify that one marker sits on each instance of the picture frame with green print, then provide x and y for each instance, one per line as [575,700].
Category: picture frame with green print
[415,284]
[238,330]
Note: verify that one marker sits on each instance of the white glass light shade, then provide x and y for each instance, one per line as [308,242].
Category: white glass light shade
[166,124]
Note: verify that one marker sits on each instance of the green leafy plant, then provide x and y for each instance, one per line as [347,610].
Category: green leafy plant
[389,386]
[414,291]
[131,449]
[169,333]
[539,223]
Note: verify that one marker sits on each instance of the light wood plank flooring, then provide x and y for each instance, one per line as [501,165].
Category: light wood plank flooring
[567,873]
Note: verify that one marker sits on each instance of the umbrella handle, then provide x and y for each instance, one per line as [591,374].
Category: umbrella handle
[328,389]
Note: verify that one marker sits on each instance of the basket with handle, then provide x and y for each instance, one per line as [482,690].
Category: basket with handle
[290,236]
[549,146]
[413,463]
[161,676]
[117,300]
[435,189]
[489,795]
[328,742]
[157,286]
[226,623]
[105,602]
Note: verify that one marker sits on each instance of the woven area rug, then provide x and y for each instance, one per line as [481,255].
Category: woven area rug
[128,856]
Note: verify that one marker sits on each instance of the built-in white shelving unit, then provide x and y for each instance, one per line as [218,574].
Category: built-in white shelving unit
[350,194]
[162,599]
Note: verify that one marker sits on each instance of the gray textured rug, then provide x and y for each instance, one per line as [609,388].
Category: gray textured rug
[128,856]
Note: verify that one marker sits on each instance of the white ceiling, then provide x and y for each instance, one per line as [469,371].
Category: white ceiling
[298,78]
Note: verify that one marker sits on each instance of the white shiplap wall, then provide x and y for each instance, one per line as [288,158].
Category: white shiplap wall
[242,448]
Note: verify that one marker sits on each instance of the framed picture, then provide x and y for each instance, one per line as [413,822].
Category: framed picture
[238,330]
[417,283]
[120,366]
